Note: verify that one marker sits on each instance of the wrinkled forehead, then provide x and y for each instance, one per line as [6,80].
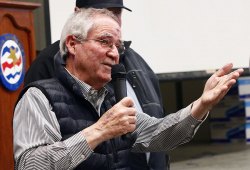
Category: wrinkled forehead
[106,26]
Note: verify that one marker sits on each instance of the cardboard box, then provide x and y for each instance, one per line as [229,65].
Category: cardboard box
[229,107]
[226,131]
[244,87]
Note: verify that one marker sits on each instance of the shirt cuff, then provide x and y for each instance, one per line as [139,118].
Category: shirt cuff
[78,147]
[187,112]
[193,122]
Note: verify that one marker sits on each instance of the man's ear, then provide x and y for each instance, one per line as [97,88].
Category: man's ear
[70,44]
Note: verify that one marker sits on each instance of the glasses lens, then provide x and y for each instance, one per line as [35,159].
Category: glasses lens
[104,42]
[107,43]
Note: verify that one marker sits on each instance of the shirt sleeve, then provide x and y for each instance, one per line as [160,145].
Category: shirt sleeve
[37,137]
[164,134]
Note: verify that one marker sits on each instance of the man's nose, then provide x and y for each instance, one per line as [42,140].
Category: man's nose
[113,52]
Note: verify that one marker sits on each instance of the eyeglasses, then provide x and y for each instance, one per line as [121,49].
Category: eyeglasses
[108,43]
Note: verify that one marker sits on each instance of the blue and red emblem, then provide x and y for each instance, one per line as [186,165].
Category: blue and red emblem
[12,62]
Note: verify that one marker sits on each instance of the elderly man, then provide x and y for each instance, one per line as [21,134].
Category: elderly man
[58,123]
[147,98]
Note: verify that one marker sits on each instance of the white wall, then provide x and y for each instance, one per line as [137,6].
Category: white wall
[180,35]
[60,10]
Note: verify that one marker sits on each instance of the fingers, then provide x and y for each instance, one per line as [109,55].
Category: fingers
[129,117]
[129,124]
[231,78]
[224,70]
[224,77]
[238,72]
[128,102]
[119,120]
[216,88]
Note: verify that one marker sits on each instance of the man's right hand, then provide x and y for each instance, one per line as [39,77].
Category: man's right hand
[117,121]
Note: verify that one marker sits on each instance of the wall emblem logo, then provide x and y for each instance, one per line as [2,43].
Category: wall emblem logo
[12,62]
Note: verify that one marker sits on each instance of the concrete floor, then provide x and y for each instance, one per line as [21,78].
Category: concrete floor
[235,156]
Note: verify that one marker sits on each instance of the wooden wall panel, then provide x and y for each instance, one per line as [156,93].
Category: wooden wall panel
[15,18]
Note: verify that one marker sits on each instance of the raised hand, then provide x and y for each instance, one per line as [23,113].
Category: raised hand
[215,89]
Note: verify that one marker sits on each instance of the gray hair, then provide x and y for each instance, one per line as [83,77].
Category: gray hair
[80,23]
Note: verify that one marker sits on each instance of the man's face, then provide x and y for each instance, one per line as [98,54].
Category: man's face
[93,57]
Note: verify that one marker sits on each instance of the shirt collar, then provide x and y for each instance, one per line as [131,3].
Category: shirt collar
[95,97]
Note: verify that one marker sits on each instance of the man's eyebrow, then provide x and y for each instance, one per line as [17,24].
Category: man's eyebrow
[106,35]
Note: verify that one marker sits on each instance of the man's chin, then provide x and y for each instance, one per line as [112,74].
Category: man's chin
[106,78]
